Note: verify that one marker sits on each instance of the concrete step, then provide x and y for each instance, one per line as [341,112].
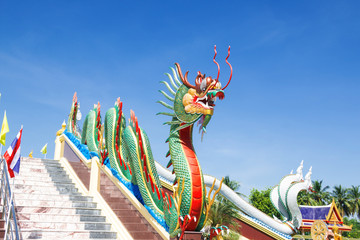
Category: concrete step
[143,235]
[45,178]
[69,226]
[40,175]
[27,167]
[54,203]
[37,160]
[42,217]
[62,189]
[135,219]
[127,212]
[112,196]
[58,210]
[40,164]
[135,227]
[47,197]
[41,182]
[71,192]
[119,205]
[63,234]
[41,170]
[44,175]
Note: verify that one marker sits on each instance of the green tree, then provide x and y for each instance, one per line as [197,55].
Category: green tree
[320,195]
[223,212]
[354,195]
[355,232]
[342,200]
[261,200]
[304,198]
[233,185]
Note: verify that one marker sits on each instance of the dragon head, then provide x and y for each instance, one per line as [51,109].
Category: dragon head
[308,181]
[197,102]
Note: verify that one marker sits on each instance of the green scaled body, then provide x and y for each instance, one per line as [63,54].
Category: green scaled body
[130,154]
[92,129]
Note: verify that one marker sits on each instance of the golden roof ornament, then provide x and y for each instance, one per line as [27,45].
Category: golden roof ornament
[63,126]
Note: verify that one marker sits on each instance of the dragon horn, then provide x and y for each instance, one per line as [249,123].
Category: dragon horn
[230,68]
[184,79]
[217,78]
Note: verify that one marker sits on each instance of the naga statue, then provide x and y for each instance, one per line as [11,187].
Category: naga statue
[284,196]
[130,155]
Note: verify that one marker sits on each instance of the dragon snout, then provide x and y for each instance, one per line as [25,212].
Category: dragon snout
[220,95]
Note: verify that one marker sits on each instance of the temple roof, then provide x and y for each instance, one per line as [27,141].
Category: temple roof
[327,213]
[315,212]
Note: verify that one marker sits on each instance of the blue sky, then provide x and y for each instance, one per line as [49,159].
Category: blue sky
[294,94]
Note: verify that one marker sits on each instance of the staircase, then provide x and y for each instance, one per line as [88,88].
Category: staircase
[134,222]
[49,206]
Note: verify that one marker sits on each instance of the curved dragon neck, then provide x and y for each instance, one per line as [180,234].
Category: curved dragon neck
[291,201]
[71,126]
[187,168]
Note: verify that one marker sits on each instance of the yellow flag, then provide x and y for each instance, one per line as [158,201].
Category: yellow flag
[31,154]
[4,130]
[44,149]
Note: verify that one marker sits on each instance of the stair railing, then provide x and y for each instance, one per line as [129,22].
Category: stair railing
[7,203]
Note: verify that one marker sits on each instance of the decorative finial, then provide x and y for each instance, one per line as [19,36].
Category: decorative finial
[63,126]
[300,169]
[308,175]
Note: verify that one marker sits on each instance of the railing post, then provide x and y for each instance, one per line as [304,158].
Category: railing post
[59,143]
[3,189]
[7,196]
[94,176]
[57,148]
[7,222]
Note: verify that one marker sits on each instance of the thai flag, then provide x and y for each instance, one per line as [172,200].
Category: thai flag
[12,155]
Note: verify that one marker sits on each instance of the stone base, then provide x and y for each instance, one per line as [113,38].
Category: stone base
[190,235]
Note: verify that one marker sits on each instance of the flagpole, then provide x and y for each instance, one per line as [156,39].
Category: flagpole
[13,184]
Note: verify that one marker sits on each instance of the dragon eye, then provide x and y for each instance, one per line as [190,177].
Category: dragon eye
[218,85]
[203,85]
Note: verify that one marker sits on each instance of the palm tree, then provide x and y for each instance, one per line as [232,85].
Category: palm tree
[354,195]
[223,211]
[304,198]
[320,195]
[234,185]
[342,200]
